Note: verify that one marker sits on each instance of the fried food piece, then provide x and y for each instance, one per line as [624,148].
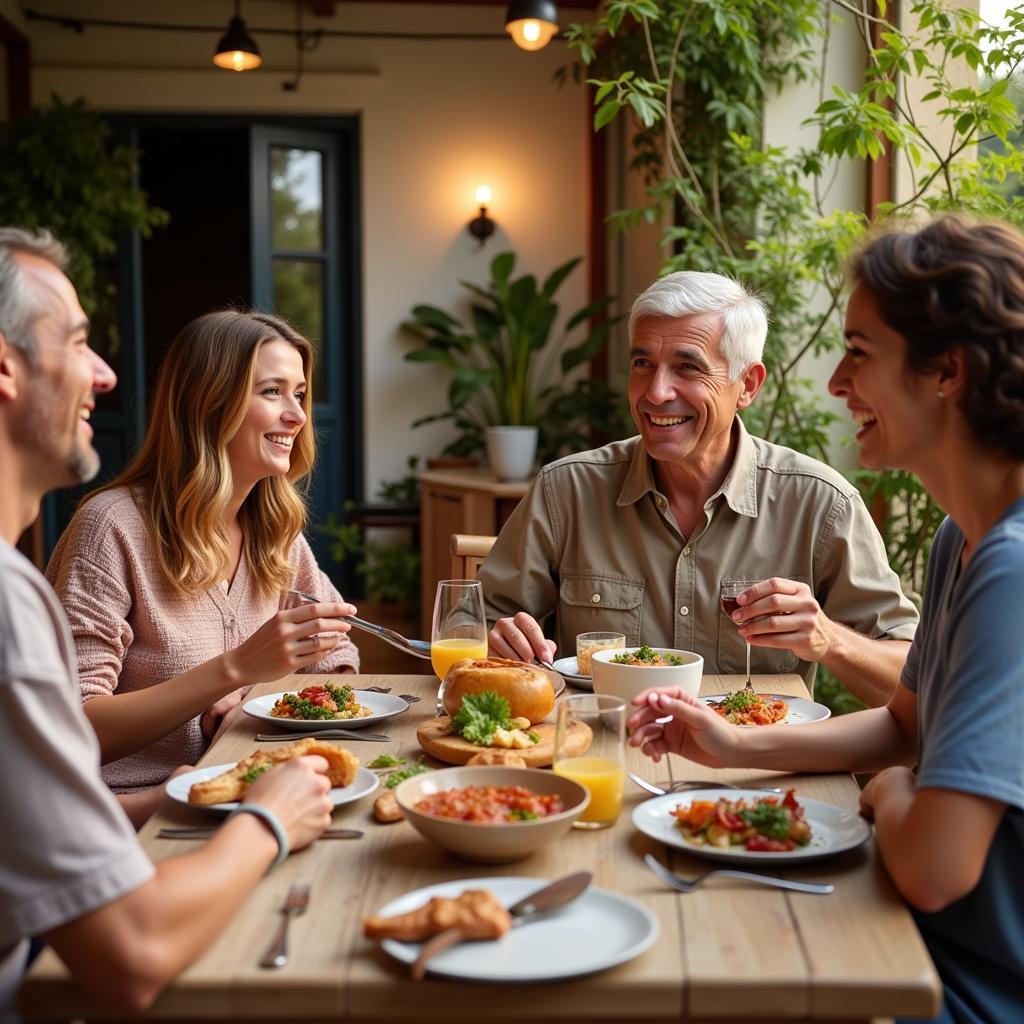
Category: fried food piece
[232,784]
[495,755]
[476,912]
[386,809]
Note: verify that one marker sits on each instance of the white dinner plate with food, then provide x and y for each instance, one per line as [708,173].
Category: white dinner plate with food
[833,830]
[800,710]
[177,788]
[570,668]
[597,930]
[382,706]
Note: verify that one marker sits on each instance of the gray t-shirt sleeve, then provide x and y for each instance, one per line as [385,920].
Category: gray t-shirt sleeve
[972,725]
[68,847]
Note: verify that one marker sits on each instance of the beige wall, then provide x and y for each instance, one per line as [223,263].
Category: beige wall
[437,119]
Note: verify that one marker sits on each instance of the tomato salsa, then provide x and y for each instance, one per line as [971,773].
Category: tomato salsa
[491,805]
[767,825]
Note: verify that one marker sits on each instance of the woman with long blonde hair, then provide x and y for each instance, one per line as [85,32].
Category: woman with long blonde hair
[174,574]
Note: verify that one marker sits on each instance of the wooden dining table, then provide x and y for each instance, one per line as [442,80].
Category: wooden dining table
[731,951]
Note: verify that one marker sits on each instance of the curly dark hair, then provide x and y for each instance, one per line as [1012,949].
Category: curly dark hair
[958,283]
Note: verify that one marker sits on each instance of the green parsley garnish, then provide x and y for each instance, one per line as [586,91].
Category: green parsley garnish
[647,654]
[534,736]
[480,715]
[522,814]
[386,761]
[741,700]
[256,771]
[406,773]
[771,820]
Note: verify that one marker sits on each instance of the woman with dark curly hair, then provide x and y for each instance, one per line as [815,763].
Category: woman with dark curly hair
[934,377]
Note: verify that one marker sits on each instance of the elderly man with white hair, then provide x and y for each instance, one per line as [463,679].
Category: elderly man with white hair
[639,536]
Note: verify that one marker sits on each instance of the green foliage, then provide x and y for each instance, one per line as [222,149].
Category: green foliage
[392,571]
[61,171]
[506,369]
[693,75]
[480,715]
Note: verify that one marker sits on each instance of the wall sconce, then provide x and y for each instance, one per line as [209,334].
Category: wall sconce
[482,227]
[531,23]
[237,50]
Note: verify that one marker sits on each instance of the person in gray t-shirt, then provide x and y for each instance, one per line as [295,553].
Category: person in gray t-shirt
[934,376]
[72,871]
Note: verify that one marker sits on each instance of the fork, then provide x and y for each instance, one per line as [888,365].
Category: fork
[295,904]
[689,885]
[324,734]
[679,787]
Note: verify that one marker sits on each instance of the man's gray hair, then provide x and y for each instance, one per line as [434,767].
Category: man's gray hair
[690,292]
[20,306]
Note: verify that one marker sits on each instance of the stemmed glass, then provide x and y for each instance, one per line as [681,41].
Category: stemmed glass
[730,603]
[459,628]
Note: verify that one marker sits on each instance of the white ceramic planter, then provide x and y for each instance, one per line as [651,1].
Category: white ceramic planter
[511,451]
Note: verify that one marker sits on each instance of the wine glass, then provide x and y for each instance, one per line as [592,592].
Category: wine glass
[601,768]
[459,628]
[730,602]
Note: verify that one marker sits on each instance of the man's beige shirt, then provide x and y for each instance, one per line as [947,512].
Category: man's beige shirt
[595,542]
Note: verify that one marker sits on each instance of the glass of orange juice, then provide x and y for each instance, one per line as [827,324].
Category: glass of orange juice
[459,627]
[602,769]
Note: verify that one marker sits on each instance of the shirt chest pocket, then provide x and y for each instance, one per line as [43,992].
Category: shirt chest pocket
[596,601]
[732,648]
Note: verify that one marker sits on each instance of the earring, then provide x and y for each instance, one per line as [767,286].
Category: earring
[940,393]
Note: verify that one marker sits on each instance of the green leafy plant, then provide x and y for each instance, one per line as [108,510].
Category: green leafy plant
[693,78]
[507,370]
[61,171]
[391,570]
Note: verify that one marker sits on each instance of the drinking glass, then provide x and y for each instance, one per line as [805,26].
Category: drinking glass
[588,643]
[730,602]
[602,768]
[459,628]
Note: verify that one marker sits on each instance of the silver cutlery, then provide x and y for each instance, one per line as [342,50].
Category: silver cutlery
[205,833]
[377,689]
[419,648]
[569,677]
[683,785]
[324,734]
[689,885]
[410,698]
[295,904]
[542,901]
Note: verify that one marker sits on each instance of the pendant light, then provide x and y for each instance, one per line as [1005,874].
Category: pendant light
[237,50]
[531,23]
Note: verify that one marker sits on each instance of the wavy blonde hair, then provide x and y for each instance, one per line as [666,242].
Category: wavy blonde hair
[181,478]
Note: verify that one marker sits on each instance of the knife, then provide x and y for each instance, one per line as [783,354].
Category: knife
[206,833]
[550,897]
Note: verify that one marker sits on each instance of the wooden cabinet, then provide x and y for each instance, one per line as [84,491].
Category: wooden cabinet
[457,501]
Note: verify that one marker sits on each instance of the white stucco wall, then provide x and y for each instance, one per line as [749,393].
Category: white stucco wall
[437,119]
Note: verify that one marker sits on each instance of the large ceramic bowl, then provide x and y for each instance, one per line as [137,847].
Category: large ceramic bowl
[492,844]
[626,681]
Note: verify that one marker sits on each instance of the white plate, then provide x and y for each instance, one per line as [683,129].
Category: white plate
[833,830]
[383,706]
[801,710]
[598,930]
[571,666]
[177,788]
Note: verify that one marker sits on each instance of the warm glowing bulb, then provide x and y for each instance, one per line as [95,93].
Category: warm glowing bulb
[483,194]
[531,33]
[238,60]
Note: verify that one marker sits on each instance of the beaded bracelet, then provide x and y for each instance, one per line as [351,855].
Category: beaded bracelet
[273,823]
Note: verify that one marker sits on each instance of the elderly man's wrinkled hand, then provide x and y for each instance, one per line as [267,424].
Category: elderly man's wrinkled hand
[785,615]
[520,638]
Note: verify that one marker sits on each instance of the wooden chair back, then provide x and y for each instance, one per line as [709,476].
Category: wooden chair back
[468,554]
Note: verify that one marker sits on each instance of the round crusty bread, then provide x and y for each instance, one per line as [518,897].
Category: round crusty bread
[527,688]
[231,786]
[500,756]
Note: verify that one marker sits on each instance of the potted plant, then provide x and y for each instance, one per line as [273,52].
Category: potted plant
[508,375]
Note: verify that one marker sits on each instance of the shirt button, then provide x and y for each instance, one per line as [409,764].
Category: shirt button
[684,610]
[686,551]
[660,501]
[596,598]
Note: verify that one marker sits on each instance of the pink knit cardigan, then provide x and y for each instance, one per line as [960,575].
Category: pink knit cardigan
[131,629]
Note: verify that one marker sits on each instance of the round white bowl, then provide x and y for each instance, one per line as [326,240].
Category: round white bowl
[491,844]
[626,681]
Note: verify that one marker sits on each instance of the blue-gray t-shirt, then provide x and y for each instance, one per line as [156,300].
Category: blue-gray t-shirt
[966,665]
